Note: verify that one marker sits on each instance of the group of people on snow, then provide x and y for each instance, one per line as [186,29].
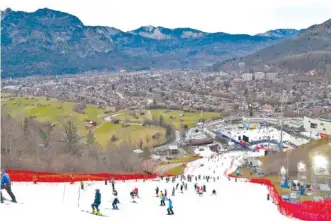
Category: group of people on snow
[6,184]
[163,197]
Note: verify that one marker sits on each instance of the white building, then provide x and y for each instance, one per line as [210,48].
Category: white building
[247,76]
[321,126]
[271,76]
[259,75]
[223,74]
[173,149]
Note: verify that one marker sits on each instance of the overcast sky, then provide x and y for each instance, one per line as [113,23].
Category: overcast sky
[231,16]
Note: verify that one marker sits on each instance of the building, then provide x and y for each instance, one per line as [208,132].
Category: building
[247,76]
[321,126]
[259,75]
[173,149]
[223,74]
[271,75]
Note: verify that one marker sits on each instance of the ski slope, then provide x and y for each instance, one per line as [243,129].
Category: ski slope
[63,201]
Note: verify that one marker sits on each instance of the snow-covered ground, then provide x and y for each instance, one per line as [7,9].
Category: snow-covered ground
[258,134]
[234,200]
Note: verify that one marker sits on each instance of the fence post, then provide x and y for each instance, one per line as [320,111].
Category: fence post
[64,190]
[78,196]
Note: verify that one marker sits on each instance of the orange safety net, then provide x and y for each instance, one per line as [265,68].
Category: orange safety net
[29,176]
[307,210]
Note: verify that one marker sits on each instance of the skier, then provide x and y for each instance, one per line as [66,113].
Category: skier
[96,203]
[115,193]
[163,198]
[170,211]
[81,184]
[115,202]
[157,191]
[185,186]
[6,184]
[173,179]
[181,188]
[214,192]
[204,188]
[134,193]
[1,197]
[113,183]
[177,186]
[165,193]
[173,191]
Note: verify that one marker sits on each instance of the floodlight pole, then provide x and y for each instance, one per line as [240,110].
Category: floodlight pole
[281,121]
[281,130]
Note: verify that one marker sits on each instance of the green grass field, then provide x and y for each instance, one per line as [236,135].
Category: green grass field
[176,171]
[185,159]
[132,134]
[128,116]
[189,118]
[54,111]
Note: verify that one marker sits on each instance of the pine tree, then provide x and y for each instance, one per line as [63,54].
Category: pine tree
[71,137]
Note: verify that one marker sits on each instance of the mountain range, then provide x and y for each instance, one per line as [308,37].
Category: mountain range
[47,42]
[308,50]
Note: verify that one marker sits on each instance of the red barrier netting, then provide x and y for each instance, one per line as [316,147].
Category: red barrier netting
[308,210]
[30,176]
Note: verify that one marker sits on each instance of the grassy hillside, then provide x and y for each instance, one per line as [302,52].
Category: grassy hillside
[170,116]
[131,134]
[189,118]
[54,111]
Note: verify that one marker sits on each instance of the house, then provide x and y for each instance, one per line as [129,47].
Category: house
[115,121]
[173,149]
[138,151]
[93,123]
